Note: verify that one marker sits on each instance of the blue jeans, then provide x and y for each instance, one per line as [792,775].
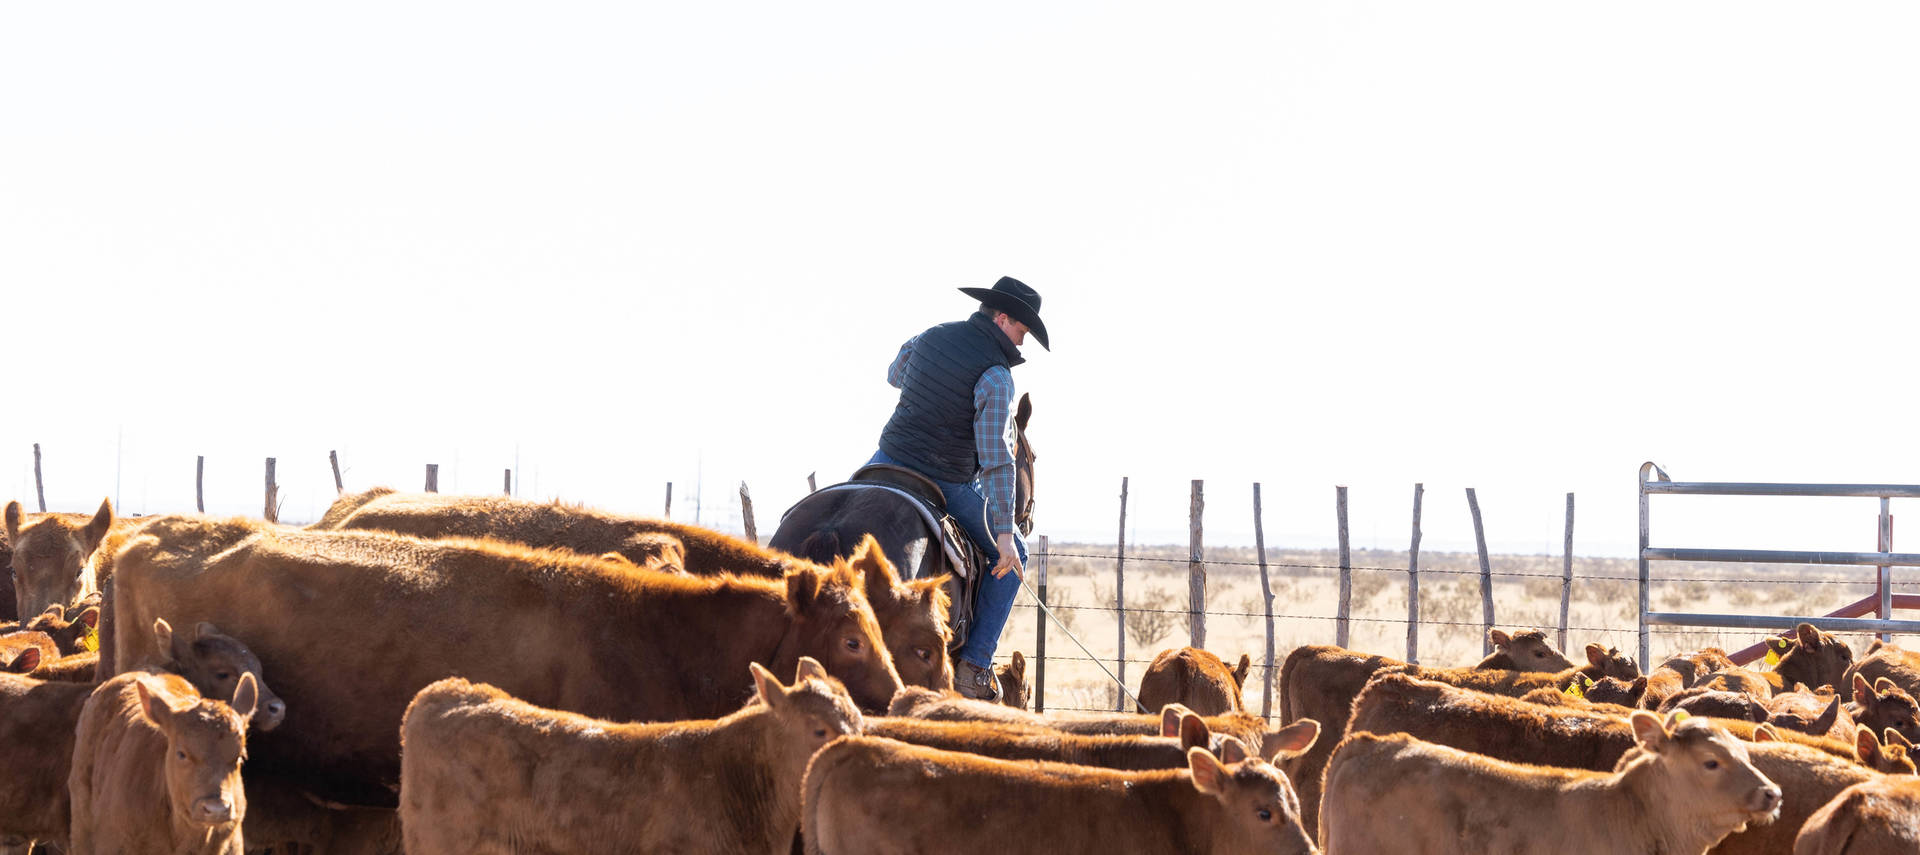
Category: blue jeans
[995,601]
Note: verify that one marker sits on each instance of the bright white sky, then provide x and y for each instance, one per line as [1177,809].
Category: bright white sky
[1515,246]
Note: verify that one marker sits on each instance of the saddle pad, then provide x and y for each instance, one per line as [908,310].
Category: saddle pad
[934,528]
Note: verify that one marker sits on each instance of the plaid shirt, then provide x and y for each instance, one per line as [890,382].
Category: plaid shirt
[993,436]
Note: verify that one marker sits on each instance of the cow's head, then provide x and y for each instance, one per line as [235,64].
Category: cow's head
[215,663]
[1701,773]
[72,635]
[913,620]
[1812,657]
[812,712]
[51,556]
[1259,810]
[833,622]
[1890,757]
[1701,700]
[1015,691]
[1884,706]
[1610,662]
[1613,690]
[1528,650]
[1809,712]
[206,742]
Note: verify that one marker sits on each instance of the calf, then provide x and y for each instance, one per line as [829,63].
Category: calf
[70,635]
[482,771]
[51,554]
[1895,663]
[1692,786]
[1870,818]
[1812,657]
[1884,706]
[1179,730]
[884,797]
[1193,678]
[1817,713]
[21,652]
[1523,651]
[214,663]
[156,768]
[1702,700]
[37,722]
[1753,684]
[1891,758]
[1251,730]
[1682,672]
[1012,677]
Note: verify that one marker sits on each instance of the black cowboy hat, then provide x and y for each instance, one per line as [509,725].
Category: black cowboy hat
[1020,302]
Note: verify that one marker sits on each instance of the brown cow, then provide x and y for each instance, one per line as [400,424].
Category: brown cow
[1702,700]
[1891,661]
[70,635]
[1012,677]
[214,663]
[1527,650]
[912,615]
[156,768]
[1812,657]
[1193,678]
[1682,671]
[78,668]
[1870,818]
[1179,730]
[557,629]
[482,771]
[1884,706]
[1692,786]
[1891,758]
[1818,713]
[51,554]
[884,797]
[1251,730]
[1753,684]
[36,737]
[21,652]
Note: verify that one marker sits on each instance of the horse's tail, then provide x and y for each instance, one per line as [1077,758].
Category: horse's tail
[820,547]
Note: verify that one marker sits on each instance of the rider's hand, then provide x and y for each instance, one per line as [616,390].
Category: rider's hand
[1009,557]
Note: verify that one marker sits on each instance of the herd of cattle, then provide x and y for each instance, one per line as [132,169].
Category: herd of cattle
[437,674]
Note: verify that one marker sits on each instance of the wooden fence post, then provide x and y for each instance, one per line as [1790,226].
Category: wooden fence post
[746,514]
[1266,591]
[668,512]
[1413,582]
[39,486]
[339,486]
[506,481]
[1341,630]
[1040,636]
[1566,576]
[1120,600]
[1486,574]
[433,477]
[273,494]
[1196,571]
[200,484]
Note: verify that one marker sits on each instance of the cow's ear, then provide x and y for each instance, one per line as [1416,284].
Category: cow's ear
[1648,731]
[1169,721]
[28,660]
[1882,685]
[98,527]
[204,630]
[1766,733]
[1866,746]
[1499,638]
[163,636]
[1862,693]
[1019,663]
[89,616]
[1828,717]
[246,695]
[1808,635]
[1232,750]
[13,521]
[1208,775]
[1893,737]
[1596,655]
[803,588]
[881,579]
[1193,731]
[766,686]
[1295,738]
[1240,671]
[809,669]
[153,705]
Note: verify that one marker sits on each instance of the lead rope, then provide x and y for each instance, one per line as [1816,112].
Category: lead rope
[1076,641]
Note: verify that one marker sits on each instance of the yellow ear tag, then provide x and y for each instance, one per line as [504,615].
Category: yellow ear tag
[1680,716]
[1576,691]
[1773,654]
[91,641]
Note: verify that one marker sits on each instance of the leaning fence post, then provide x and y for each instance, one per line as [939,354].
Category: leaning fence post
[273,494]
[39,486]
[1413,581]
[1040,636]
[1120,601]
[1266,592]
[1566,576]
[200,484]
[433,477]
[1340,624]
[1196,572]
[1486,573]
[746,515]
[812,487]
[339,487]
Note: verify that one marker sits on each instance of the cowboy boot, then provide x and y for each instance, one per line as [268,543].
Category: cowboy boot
[973,681]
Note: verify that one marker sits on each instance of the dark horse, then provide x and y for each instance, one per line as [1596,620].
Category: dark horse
[831,523]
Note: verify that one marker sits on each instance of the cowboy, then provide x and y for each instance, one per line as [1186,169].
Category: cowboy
[954,424]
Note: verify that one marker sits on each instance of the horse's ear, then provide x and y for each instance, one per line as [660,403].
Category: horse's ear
[1024,412]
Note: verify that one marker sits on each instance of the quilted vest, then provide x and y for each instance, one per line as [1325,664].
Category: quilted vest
[931,430]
